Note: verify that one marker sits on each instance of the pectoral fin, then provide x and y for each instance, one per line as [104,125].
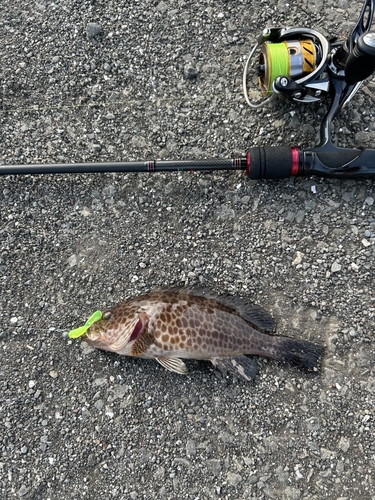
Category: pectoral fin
[241,367]
[141,345]
[173,364]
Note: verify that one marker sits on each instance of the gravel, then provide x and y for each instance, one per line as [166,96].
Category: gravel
[123,80]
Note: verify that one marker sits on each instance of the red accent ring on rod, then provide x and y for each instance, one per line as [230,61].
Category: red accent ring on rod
[248,164]
[295,161]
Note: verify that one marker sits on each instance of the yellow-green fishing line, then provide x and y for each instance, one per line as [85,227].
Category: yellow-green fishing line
[278,61]
[78,332]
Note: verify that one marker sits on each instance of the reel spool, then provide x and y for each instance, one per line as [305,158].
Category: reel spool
[292,58]
[292,62]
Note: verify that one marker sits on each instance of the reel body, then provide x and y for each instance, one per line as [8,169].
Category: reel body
[304,66]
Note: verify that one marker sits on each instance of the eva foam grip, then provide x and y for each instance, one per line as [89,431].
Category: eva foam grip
[272,162]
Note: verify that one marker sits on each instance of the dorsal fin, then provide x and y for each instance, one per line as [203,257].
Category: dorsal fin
[251,312]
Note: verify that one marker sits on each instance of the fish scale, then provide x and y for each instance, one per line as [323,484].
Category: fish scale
[195,323]
[202,333]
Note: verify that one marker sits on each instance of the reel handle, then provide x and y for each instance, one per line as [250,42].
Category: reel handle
[361,61]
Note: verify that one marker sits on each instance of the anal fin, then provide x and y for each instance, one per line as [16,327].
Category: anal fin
[241,367]
[173,364]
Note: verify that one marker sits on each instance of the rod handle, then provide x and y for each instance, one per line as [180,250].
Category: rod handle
[272,162]
[361,61]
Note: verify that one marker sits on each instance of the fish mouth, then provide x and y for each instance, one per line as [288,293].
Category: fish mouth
[97,335]
[93,335]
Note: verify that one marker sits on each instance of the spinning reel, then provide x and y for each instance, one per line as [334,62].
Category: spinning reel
[291,62]
[301,63]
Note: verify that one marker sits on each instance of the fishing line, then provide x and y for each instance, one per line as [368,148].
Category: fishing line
[278,57]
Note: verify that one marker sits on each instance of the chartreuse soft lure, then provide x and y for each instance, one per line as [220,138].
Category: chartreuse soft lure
[78,332]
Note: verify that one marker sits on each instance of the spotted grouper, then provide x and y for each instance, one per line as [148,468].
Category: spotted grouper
[195,323]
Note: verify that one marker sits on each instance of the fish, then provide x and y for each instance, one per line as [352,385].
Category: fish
[196,323]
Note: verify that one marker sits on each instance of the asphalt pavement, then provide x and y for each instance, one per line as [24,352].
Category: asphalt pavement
[118,80]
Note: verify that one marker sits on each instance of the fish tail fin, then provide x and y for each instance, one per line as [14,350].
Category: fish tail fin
[299,352]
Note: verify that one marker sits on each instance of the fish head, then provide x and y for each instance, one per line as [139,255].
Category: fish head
[115,330]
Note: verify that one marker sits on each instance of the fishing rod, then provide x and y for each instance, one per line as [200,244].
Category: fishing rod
[302,65]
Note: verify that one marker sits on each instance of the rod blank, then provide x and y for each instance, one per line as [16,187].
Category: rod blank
[130,166]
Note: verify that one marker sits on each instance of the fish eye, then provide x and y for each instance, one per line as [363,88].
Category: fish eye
[107,315]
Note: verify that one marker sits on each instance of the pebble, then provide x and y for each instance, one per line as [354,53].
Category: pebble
[85,212]
[300,215]
[109,191]
[298,259]
[344,444]
[233,479]
[72,260]
[100,382]
[162,7]
[336,267]
[99,404]
[253,479]
[191,73]
[22,491]
[214,465]
[93,29]
[191,450]
[291,493]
